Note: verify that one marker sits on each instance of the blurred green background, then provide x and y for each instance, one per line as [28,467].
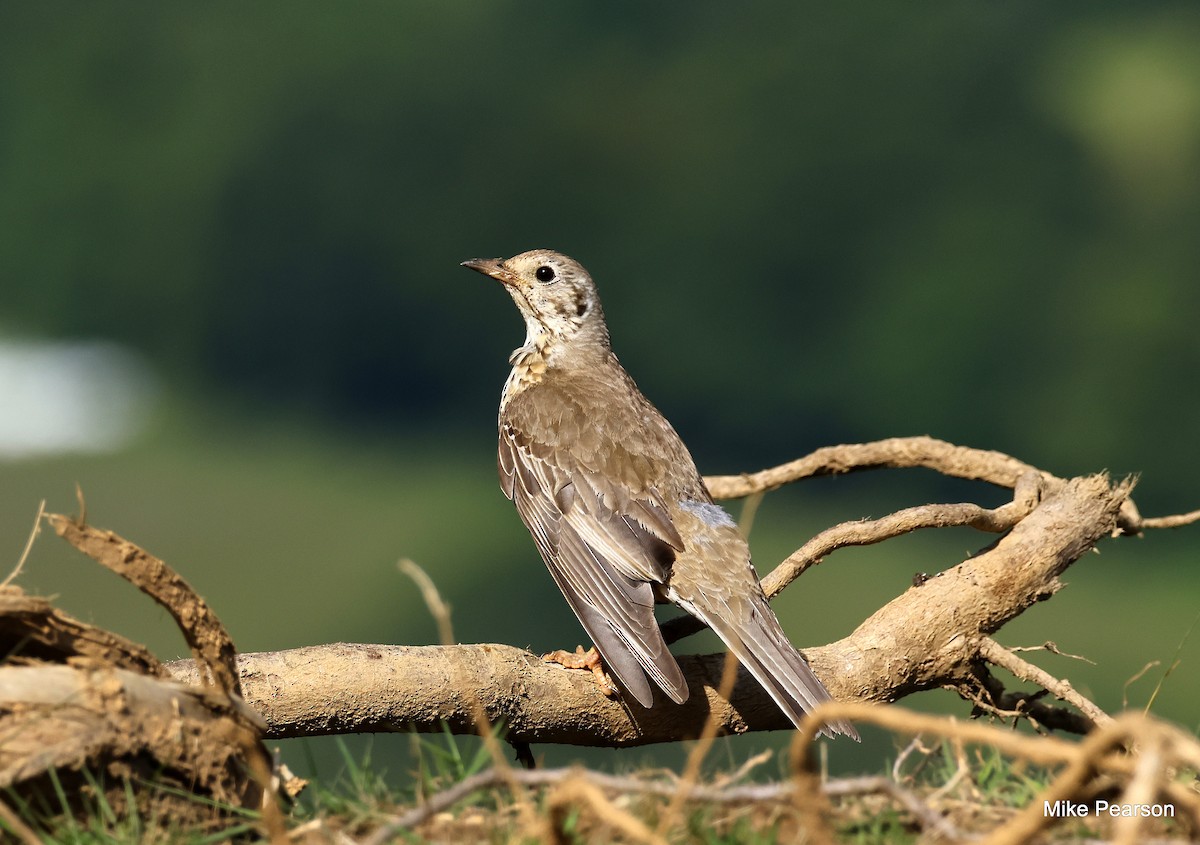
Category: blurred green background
[809,225]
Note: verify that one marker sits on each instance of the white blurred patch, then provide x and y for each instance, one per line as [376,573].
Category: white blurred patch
[70,397]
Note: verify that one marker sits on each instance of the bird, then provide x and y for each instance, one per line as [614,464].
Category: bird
[615,504]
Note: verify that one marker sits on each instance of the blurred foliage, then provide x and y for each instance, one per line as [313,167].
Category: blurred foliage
[974,220]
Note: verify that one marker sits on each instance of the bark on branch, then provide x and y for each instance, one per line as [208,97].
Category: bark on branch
[931,635]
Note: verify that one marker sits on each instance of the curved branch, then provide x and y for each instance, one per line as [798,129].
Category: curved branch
[929,452]
[1177,520]
[868,531]
[920,451]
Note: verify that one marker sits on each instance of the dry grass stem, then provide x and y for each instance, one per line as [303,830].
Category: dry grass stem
[438,609]
[575,791]
[1051,647]
[17,827]
[691,771]
[33,533]
[479,715]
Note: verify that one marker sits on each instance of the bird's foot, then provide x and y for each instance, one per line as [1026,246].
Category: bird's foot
[580,659]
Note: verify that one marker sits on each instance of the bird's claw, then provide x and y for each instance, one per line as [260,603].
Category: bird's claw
[580,659]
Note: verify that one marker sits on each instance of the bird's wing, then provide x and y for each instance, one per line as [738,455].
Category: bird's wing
[605,549]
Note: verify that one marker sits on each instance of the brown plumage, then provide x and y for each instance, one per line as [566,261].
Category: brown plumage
[614,501]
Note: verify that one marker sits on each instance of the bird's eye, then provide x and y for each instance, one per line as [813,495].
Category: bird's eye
[544,273]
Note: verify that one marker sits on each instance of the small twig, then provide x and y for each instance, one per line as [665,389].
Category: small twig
[1175,661]
[438,609]
[743,770]
[869,531]
[1001,704]
[1051,647]
[33,533]
[914,745]
[929,452]
[998,655]
[749,511]
[1137,676]
[1173,521]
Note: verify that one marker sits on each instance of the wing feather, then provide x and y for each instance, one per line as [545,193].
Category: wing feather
[604,561]
[756,638]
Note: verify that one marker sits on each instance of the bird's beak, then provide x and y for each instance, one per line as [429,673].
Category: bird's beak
[493,267]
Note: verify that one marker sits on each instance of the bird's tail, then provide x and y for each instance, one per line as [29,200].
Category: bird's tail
[759,644]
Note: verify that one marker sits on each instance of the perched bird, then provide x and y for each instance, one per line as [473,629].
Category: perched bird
[614,501]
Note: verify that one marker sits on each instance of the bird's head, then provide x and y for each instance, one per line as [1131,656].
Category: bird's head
[555,295]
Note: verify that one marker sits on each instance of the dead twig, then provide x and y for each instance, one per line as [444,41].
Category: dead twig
[998,655]
[1052,647]
[870,531]
[479,717]
[1174,521]
[33,533]
[691,771]
[931,453]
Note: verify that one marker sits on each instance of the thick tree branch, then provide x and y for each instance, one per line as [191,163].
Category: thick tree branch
[927,637]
